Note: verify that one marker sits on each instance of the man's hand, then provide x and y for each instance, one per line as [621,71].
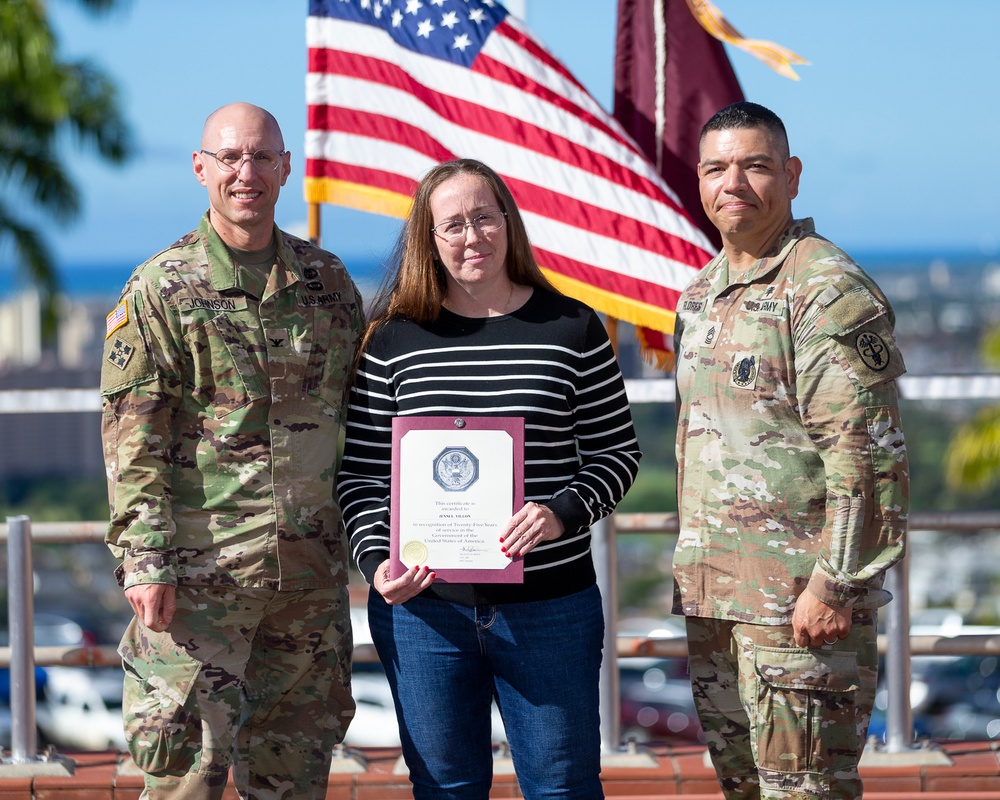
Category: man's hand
[154,604]
[814,623]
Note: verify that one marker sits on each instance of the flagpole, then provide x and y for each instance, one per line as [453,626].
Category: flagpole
[314,223]
[604,545]
[611,326]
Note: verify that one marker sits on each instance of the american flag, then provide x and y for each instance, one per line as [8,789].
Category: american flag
[397,86]
[116,319]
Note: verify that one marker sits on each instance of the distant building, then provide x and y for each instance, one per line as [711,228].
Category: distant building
[51,444]
[20,330]
[78,340]
[942,310]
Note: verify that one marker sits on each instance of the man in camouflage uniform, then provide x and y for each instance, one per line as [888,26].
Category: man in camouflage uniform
[224,380]
[793,478]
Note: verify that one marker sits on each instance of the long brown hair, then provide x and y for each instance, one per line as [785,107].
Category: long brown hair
[416,284]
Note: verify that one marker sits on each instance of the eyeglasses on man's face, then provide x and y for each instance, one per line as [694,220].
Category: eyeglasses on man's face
[453,230]
[232,160]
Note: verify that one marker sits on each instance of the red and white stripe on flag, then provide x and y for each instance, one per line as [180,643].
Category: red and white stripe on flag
[397,86]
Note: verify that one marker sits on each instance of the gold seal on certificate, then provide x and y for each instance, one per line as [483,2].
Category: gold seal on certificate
[413,554]
[455,484]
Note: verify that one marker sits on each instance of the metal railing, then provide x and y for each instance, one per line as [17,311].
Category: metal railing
[976,386]
[895,644]
[20,599]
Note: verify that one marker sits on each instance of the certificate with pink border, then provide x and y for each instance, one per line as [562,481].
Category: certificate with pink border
[456,482]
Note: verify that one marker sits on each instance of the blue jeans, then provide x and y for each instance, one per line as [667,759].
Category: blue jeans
[542,662]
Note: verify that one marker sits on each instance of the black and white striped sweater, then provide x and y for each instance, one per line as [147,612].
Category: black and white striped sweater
[549,362]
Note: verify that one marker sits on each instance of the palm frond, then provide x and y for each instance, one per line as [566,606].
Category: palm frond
[93,111]
[972,460]
[102,6]
[990,347]
[37,173]
[44,100]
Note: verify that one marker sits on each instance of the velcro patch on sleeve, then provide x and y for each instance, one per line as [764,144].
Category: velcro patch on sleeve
[126,360]
[846,312]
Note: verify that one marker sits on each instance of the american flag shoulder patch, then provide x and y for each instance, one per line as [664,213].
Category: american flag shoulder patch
[116,319]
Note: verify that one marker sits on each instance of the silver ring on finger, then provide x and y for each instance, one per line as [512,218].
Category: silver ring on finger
[829,642]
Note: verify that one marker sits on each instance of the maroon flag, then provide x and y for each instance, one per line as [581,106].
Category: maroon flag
[671,76]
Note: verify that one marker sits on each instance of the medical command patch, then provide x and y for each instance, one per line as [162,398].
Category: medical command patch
[116,319]
[873,350]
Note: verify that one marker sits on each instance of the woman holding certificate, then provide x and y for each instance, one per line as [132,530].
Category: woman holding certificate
[481,385]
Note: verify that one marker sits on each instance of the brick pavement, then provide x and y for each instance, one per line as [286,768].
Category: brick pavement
[677,771]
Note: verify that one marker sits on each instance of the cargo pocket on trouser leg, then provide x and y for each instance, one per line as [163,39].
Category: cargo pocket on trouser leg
[806,723]
[162,733]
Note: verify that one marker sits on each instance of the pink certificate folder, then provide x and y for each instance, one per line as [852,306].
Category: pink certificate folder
[455,474]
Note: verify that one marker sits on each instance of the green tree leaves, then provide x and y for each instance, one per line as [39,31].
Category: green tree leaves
[42,100]
[973,456]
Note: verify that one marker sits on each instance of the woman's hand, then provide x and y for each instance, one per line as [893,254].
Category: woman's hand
[409,584]
[528,528]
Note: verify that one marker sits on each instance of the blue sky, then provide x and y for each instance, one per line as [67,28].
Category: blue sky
[884,117]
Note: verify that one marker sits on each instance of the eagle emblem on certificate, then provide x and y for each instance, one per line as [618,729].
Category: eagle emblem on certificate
[456,469]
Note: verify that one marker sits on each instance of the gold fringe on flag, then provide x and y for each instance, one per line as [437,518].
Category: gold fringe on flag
[662,360]
[626,309]
[774,55]
[355,195]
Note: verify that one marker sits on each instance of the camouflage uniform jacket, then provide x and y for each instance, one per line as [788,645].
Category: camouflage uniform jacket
[222,415]
[792,466]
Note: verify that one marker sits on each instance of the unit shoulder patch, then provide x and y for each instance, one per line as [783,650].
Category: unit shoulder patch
[120,353]
[871,353]
[872,350]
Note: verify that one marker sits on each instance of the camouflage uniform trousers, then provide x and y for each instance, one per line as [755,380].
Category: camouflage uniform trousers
[255,679]
[783,722]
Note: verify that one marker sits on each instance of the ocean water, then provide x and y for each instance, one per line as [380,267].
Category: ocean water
[100,280]
[83,280]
